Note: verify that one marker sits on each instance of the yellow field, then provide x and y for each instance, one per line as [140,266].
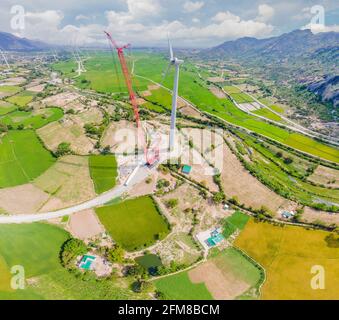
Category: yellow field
[288,254]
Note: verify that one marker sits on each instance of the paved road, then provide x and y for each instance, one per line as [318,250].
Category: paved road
[142,173]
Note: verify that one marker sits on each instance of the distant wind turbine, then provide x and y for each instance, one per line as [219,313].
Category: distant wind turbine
[5,59]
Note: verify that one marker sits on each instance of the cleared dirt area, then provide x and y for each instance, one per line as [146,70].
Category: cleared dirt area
[190,203]
[84,225]
[215,79]
[68,180]
[22,199]
[222,285]
[312,215]
[66,131]
[61,99]
[189,111]
[118,133]
[326,176]
[217,92]
[37,88]
[238,182]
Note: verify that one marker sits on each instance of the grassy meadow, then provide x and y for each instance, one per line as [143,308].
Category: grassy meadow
[135,223]
[103,170]
[22,158]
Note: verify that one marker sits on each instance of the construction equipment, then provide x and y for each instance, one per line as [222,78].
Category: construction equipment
[151,152]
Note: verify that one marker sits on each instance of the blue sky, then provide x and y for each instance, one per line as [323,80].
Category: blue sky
[191,23]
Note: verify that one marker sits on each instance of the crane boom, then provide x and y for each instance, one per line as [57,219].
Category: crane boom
[150,159]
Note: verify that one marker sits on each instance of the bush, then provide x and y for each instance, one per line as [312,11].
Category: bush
[63,149]
[171,203]
[70,250]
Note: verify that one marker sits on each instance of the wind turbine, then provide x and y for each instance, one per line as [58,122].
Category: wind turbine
[175,62]
[5,59]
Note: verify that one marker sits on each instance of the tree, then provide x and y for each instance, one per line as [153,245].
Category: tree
[71,249]
[288,160]
[106,150]
[116,254]
[171,203]
[63,149]
[218,197]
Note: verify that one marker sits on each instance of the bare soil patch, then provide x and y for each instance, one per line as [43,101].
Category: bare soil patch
[222,285]
[68,180]
[326,176]
[84,225]
[217,92]
[238,182]
[22,199]
[66,131]
[312,215]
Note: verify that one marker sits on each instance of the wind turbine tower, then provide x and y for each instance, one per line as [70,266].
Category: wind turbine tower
[5,59]
[175,62]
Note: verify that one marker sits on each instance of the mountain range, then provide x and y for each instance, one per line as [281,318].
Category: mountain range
[10,42]
[292,44]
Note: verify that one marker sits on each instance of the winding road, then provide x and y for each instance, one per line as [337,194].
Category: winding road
[119,190]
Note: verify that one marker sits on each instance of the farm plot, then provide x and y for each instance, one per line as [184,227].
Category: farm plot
[35,119]
[238,182]
[68,131]
[134,223]
[180,287]
[68,180]
[103,170]
[288,254]
[22,158]
[326,176]
[21,99]
[6,107]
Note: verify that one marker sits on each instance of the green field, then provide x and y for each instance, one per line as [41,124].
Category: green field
[264,112]
[233,267]
[288,253]
[103,170]
[134,223]
[10,89]
[6,107]
[34,120]
[100,69]
[22,158]
[180,287]
[234,222]
[21,99]
[36,247]
[101,74]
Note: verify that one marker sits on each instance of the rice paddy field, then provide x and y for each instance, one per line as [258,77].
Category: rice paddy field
[288,253]
[22,158]
[45,277]
[103,171]
[134,223]
[32,119]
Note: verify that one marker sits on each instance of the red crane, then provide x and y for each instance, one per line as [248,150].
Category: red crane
[153,156]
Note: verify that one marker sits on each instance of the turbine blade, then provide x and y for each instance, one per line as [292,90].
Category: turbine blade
[170,48]
[164,75]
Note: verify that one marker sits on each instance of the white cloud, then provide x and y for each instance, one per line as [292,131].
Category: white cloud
[142,8]
[190,6]
[136,27]
[316,27]
[82,17]
[265,13]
